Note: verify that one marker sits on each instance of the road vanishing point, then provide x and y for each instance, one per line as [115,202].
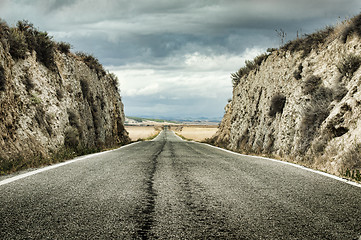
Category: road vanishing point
[174,189]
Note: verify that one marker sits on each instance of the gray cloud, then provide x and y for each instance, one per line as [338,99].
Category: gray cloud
[154,45]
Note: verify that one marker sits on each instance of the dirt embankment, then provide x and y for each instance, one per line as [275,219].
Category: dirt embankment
[53,104]
[301,102]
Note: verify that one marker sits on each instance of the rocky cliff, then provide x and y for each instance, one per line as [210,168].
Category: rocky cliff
[53,104]
[302,102]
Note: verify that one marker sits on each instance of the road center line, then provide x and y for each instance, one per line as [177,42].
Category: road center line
[28,174]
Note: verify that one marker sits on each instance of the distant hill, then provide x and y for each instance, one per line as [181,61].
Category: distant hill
[152,121]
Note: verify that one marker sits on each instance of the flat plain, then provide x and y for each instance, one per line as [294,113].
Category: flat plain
[195,132]
[142,132]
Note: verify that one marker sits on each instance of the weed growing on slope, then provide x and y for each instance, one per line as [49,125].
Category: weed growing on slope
[92,62]
[278,102]
[311,84]
[63,47]
[250,65]
[354,27]
[308,42]
[349,65]
[18,45]
[2,78]
[297,73]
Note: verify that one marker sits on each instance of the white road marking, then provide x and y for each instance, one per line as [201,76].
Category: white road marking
[28,174]
[291,164]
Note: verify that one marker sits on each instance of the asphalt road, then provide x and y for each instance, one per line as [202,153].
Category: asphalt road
[172,189]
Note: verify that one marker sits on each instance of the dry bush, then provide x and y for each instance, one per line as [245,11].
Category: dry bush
[73,119]
[339,92]
[250,65]
[311,84]
[28,82]
[308,42]
[71,138]
[278,102]
[313,116]
[2,78]
[349,65]
[59,94]
[64,47]
[354,27]
[40,42]
[351,162]
[297,73]
[18,45]
[92,62]
[84,85]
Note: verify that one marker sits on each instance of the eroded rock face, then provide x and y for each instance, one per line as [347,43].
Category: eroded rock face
[304,108]
[42,110]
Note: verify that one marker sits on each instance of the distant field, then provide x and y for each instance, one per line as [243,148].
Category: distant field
[197,133]
[143,132]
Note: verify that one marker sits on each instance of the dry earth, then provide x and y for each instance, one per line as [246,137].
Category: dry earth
[142,132]
[197,133]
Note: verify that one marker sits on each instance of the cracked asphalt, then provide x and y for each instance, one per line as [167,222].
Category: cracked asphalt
[173,189]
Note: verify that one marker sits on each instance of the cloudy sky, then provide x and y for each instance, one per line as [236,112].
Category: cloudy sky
[174,57]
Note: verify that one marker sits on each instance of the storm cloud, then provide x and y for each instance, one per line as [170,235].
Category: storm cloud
[174,58]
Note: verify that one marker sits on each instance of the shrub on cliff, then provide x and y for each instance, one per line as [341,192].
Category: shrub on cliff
[2,78]
[24,37]
[278,102]
[114,81]
[64,47]
[354,27]
[308,42]
[297,73]
[71,138]
[249,66]
[39,42]
[349,65]
[18,45]
[311,84]
[92,62]
[4,28]
[84,85]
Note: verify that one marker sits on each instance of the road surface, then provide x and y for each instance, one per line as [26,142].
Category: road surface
[172,189]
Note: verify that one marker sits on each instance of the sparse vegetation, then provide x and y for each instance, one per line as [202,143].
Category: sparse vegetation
[308,42]
[311,84]
[278,102]
[250,65]
[39,42]
[351,162]
[349,65]
[28,82]
[297,73]
[114,80]
[35,100]
[17,42]
[71,138]
[92,62]
[2,78]
[24,38]
[84,85]
[64,47]
[339,92]
[73,119]
[354,27]
[4,28]
[59,94]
